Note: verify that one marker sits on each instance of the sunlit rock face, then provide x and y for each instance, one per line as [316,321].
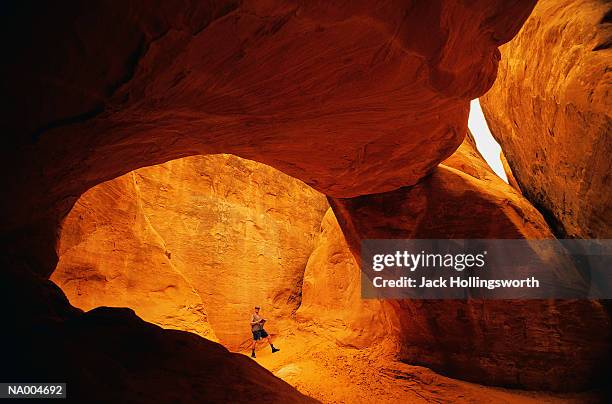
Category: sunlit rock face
[550,111]
[111,255]
[193,244]
[331,295]
[497,342]
[110,355]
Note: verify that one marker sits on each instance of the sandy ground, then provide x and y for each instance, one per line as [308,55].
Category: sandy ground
[318,367]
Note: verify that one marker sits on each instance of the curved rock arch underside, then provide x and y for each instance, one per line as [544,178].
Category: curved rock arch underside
[365,103]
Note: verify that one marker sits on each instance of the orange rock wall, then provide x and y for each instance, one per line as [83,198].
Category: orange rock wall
[110,355]
[349,98]
[509,174]
[331,295]
[496,342]
[111,255]
[550,111]
[193,244]
[506,344]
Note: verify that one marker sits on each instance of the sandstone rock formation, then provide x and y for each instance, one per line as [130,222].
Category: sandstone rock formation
[193,244]
[101,262]
[111,355]
[550,111]
[509,174]
[174,203]
[338,94]
[110,255]
[497,342]
[351,99]
[468,159]
[331,295]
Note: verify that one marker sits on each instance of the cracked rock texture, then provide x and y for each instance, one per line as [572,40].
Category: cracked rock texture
[193,244]
[550,110]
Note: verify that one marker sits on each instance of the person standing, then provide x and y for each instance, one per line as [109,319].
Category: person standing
[257,323]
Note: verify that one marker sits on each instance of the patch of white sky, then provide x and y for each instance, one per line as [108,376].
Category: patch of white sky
[485,143]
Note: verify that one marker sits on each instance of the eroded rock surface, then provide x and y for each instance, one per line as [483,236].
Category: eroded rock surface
[331,295]
[493,342]
[498,342]
[509,174]
[349,98]
[111,355]
[550,111]
[110,255]
[193,244]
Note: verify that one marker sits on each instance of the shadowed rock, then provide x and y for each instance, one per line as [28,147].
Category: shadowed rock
[502,342]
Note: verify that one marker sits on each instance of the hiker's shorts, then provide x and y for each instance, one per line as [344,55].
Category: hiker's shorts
[259,334]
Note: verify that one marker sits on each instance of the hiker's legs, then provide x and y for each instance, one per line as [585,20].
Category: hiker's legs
[274,349]
[255,338]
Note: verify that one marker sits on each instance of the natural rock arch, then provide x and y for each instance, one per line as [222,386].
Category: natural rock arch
[340,96]
[352,100]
